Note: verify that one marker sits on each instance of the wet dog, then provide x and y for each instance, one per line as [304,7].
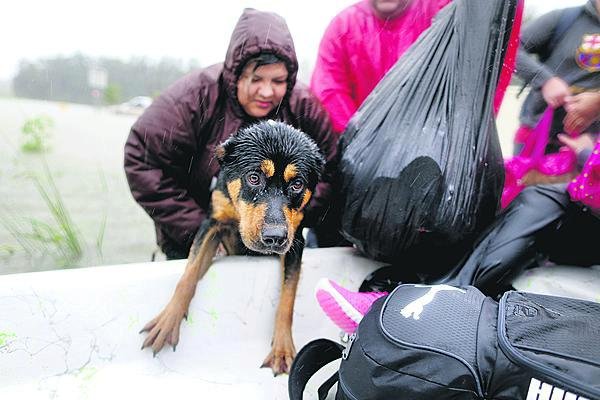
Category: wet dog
[268,174]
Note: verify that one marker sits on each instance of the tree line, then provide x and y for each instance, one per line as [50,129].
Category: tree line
[68,78]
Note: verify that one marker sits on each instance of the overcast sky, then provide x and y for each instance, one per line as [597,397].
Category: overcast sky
[182,29]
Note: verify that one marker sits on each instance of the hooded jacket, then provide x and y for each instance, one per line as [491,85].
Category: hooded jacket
[169,154]
[575,58]
[358,48]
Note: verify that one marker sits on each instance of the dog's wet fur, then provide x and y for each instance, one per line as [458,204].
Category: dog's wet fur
[268,174]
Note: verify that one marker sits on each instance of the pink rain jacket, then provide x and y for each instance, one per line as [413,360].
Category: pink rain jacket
[358,48]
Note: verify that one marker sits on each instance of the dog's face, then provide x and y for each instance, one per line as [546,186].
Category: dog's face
[270,171]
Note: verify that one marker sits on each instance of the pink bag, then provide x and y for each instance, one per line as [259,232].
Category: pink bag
[586,187]
[532,157]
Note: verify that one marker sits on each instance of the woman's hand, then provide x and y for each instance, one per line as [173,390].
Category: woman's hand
[582,110]
[579,143]
[554,91]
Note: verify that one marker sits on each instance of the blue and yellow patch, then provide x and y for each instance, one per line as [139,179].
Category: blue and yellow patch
[588,53]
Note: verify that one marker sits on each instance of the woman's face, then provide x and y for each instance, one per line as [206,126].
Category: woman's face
[260,91]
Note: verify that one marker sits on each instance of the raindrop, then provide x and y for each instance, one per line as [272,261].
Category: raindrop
[268,32]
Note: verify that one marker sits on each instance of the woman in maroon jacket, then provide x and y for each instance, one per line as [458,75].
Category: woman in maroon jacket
[169,154]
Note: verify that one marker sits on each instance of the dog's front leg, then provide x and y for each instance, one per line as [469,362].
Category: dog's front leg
[164,328]
[282,347]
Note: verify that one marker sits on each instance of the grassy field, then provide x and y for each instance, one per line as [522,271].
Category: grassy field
[85,160]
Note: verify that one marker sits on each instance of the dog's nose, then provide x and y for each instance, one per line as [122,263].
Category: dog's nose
[274,235]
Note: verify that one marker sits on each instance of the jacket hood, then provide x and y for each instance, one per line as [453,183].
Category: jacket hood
[258,32]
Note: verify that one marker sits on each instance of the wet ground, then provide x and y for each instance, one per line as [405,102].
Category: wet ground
[85,159]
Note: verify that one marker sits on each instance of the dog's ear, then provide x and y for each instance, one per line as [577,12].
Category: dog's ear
[321,161]
[225,149]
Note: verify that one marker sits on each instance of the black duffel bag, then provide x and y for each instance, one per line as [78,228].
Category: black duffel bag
[441,342]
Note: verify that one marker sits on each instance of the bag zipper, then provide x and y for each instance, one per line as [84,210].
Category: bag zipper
[535,367]
[345,354]
[346,351]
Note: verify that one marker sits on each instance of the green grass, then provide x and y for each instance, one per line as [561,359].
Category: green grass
[55,236]
[36,132]
[7,250]
[59,238]
[63,234]
[100,236]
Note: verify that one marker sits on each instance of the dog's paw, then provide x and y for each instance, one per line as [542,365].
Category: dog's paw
[281,356]
[164,329]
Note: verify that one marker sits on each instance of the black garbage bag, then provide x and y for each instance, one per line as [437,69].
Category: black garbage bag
[421,164]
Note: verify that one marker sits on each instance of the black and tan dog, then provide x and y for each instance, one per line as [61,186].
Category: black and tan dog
[268,174]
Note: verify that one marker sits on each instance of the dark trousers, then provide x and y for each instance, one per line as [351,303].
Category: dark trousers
[174,252]
[540,224]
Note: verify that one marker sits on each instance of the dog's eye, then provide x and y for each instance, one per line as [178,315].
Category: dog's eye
[253,178]
[297,186]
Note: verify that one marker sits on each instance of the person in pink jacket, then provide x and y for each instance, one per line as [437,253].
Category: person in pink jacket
[360,45]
